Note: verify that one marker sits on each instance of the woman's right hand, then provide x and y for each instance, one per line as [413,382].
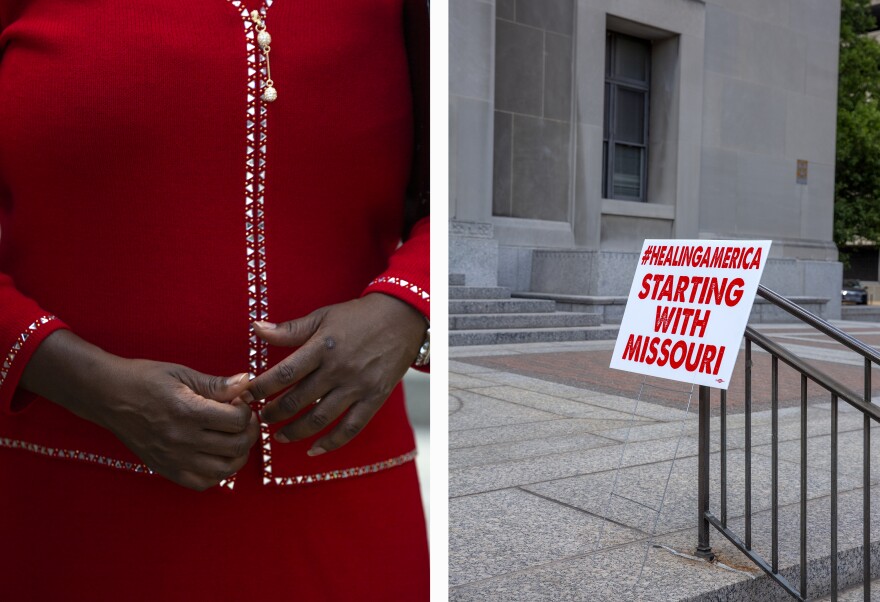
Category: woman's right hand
[187,426]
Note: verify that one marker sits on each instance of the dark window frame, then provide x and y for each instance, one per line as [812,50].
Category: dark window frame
[613,83]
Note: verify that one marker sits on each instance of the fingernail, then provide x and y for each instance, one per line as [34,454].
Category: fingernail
[265,325]
[316,451]
[247,397]
[236,380]
[281,438]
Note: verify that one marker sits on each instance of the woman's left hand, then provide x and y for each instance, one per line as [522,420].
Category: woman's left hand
[350,357]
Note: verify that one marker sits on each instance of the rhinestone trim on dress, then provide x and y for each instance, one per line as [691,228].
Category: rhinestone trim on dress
[54,452]
[347,473]
[19,343]
[405,284]
[74,454]
[256,127]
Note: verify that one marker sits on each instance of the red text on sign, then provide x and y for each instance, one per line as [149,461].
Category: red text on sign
[679,318]
[692,289]
[695,357]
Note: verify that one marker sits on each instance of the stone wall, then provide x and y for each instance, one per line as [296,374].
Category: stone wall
[741,91]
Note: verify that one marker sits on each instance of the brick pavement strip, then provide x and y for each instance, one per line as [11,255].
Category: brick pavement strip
[557,476]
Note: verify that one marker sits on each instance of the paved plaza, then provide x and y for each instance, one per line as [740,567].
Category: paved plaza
[572,481]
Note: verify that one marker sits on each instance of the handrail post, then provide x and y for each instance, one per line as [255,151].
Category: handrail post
[703,548]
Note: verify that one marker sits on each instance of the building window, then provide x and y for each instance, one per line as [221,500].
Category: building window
[627,86]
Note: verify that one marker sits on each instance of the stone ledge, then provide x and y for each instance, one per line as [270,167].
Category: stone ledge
[799,299]
[765,312]
[580,299]
[638,209]
[860,313]
[611,308]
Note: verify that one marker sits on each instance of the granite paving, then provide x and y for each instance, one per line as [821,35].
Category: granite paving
[572,481]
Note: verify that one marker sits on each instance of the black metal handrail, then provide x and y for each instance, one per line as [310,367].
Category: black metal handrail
[838,391]
[820,324]
[813,373]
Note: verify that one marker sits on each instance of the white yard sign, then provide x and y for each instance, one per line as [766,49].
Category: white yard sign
[688,307]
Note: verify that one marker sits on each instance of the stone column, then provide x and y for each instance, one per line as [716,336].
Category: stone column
[473,251]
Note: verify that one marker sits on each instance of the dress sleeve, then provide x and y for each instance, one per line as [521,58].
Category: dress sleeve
[408,276]
[23,326]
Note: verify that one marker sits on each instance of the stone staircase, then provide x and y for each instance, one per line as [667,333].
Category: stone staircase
[489,316]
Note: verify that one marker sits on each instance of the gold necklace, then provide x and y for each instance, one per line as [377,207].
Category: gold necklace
[264,39]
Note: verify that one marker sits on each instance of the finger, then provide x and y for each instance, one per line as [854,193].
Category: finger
[218,388]
[215,416]
[285,373]
[297,398]
[230,445]
[292,333]
[319,417]
[215,468]
[348,428]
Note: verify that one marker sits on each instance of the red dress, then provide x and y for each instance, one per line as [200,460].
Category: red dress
[152,202]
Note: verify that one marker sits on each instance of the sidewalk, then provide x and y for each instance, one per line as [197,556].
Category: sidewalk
[541,435]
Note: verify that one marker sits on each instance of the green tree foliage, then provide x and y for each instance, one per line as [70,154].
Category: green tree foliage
[857,188]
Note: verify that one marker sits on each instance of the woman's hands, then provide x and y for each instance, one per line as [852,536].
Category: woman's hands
[350,357]
[184,425]
[196,430]
[176,421]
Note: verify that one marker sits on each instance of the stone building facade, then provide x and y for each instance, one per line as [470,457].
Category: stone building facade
[578,128]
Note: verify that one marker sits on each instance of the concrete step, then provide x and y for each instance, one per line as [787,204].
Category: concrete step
[459,338]
[540,320]
[610,309]
[860,313]
[849,566]
[764,312]
[456,279]
[855,594]
[500,306]
[479,292]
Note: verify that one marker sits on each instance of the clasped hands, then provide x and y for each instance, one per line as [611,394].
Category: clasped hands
[197,430]
[349,359]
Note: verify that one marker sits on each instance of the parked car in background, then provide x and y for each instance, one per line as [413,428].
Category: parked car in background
[854,292]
